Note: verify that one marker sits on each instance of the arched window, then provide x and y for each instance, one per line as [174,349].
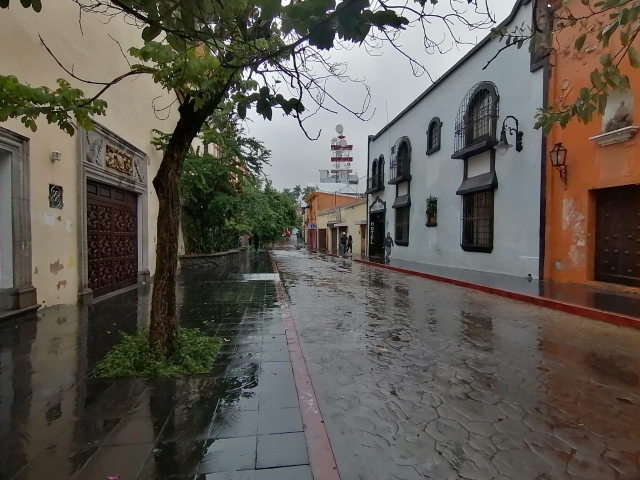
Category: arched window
[401,161]
[433,135]
[375,182]
[475,127]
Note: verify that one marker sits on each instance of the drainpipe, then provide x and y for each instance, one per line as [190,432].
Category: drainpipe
[366,231]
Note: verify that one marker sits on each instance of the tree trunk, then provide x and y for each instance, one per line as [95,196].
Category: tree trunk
[164,320]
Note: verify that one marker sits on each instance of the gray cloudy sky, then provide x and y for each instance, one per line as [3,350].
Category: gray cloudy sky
[297,160]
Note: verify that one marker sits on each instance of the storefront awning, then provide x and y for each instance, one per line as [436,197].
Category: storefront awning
[486,181]
[402,201]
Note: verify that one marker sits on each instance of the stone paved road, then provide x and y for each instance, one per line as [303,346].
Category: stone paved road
[419,379]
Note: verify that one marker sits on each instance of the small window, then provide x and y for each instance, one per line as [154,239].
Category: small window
[402,225]
[477,221]
[433,136]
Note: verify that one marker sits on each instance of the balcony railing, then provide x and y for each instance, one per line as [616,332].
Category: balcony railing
[400,170]
[375,184]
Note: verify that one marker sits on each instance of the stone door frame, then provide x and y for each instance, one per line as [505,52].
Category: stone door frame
[92,165]
[22,294]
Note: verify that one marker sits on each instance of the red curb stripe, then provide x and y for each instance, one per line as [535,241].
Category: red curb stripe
[321,459]
[592,313]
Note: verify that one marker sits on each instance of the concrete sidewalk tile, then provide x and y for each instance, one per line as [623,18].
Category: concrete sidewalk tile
[229,455]
[301,472]
[282,420]
[282,450]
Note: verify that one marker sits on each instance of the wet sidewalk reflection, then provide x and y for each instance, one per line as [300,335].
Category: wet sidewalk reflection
[419,379]
[58,423]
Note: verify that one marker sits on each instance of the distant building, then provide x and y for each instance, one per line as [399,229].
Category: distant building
[320,201]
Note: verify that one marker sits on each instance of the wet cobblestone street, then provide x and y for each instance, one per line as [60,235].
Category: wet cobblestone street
[418,379]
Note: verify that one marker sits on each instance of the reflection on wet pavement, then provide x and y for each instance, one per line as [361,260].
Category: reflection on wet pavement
[419,379]
[57,423]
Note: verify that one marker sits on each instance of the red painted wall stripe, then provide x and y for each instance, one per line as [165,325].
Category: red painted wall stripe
[321,459]
[592,313]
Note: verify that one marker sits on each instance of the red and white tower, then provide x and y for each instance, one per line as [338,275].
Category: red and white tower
[341,156]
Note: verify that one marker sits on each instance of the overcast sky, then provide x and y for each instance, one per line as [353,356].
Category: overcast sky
[297,160]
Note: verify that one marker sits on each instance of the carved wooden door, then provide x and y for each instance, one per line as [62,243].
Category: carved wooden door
[617,246]
[112,238]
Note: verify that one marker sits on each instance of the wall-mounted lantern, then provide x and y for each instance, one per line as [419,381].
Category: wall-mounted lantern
[503,146]
[558,156]
[55,156]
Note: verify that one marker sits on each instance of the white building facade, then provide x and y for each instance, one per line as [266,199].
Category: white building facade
[436,179]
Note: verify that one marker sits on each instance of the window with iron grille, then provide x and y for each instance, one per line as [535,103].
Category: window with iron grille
[401,159]
[476,121]
[381,170]
[402,225]
[433,135]
[477,221]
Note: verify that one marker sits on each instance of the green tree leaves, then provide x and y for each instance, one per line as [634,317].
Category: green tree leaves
[63,106]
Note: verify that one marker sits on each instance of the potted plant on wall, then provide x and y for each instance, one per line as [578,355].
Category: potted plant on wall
[432,211]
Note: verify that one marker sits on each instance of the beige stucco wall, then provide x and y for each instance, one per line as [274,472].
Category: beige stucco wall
[94,56]
[349,216]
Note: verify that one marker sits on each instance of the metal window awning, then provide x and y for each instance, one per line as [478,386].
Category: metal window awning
[402,201]
[486,181]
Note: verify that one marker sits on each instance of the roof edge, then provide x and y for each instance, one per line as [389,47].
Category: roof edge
[458,64]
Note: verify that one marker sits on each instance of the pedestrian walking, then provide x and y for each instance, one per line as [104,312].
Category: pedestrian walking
[350,245]
[256,243]
[388,243]
[343,244]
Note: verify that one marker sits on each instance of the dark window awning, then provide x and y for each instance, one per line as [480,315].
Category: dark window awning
[402,201]
[486,181]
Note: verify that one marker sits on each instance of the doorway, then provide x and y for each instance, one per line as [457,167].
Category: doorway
[322,240]
[617,250]
[376,234]
[363,239]
[6,237]
[112,226]
[334,240]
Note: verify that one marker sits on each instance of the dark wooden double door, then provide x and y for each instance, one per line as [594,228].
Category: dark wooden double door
[617,245]
[112,238]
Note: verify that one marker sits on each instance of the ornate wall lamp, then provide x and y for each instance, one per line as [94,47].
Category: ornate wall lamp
[558,156]
[504,146]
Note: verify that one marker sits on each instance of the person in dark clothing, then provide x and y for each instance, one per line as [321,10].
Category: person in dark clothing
[343,243]
[350,244]
[388,243]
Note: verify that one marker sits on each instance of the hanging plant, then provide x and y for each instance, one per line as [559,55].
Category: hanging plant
[432,211]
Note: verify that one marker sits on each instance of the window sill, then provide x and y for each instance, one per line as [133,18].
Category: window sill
[377,188]
[477,148]
[476,248]
[402,244]
[400,179]
[433,150]
[617,136]
[433,224]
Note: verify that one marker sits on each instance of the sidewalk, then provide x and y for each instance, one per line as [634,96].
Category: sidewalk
[240,421]
[620,308]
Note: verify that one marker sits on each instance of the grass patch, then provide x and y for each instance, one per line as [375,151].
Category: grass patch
[135,357]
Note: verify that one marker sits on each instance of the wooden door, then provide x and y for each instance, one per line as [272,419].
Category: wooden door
[617,245]
[112,238]
[363,240]
[322,240]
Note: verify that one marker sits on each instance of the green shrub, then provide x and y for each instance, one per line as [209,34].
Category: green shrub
[135,357]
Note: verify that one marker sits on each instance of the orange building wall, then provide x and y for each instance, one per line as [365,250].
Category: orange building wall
[570,212]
